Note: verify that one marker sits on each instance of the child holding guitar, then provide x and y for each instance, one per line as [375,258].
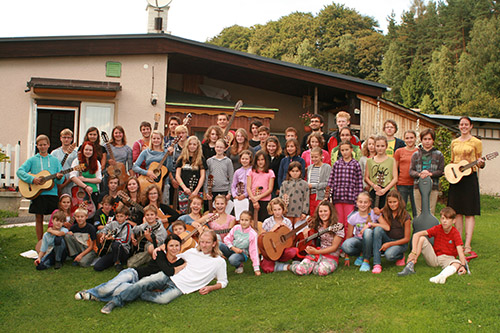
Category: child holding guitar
[241,243]
[260,183]
[324,259]
[359,237]
[190,172]
[239,185]
[295,193]
[46,202]
[346,182]
[87,181]
[317,178]
[277,209]
[152,163]
[221,169]
[66,154]
[195,207]
[381,172]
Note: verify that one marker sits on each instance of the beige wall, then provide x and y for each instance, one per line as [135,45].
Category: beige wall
[132,104]
[489,181]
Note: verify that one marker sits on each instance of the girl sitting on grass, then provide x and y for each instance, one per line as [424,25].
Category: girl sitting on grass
[392,232]
[324,259]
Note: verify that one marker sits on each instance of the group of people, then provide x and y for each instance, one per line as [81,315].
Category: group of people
[352,197]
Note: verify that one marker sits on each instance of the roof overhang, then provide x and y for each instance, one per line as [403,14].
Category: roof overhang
[52,86]
[186,56]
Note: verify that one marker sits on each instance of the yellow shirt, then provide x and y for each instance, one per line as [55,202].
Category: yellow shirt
[469,150]
[391,144]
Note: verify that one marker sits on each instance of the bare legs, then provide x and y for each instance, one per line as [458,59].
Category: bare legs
[39,226]
[470,222]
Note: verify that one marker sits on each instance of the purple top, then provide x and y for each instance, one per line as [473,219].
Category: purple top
[240,175]
[346,181]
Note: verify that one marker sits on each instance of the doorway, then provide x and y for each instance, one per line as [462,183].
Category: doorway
[52,121]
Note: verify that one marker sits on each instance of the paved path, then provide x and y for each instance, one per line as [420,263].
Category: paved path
[22,221]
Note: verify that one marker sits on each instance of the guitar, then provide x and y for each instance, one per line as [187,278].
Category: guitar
[157,118]
[109,238]
[380,182]
[142,240]
[185,122]
[126,199]
[31,191]
[272,244]
[71,148]
[80,197]
[228,136]
[210,186]
[258,191]
[158,168]
[187,241]
[302,242]
[118,169]
[455,171]
[328,193]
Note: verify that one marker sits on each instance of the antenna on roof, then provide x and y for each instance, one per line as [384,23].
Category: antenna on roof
[155,22]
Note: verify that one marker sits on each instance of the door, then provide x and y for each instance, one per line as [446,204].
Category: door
[52,121]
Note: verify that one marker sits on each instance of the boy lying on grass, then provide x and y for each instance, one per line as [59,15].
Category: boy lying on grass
[447,245]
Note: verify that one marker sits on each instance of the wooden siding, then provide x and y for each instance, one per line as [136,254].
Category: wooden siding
[375,112]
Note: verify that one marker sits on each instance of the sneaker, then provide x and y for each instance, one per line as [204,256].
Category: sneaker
[377,269]
[108,307]
[118,268]
[409,269]
[401,262]
[239,270]
[359,261]
[365,267]
[57,265]
[85,295]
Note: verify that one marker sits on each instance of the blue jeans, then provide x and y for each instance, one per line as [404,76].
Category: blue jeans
[144,287]
[235,259]
[406,192]
[393,253]
[354,246]
[122,281]
[58,253]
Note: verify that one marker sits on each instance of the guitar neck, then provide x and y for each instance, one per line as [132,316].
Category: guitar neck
[222,231]
[110,151]
[294,231]
[52,176]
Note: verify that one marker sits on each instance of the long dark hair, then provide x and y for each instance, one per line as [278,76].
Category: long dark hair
[401,213]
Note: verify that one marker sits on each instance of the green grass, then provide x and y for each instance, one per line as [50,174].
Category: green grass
[346,300]
[5,214]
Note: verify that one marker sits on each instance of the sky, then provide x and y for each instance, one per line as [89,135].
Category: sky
[193,19]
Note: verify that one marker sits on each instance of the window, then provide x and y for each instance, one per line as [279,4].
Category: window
[100,115]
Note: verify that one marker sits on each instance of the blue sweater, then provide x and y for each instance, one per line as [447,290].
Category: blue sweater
[285,162]
[36,164]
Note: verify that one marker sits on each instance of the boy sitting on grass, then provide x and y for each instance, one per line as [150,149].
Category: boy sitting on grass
[53,238]
[447,245]
[81,240]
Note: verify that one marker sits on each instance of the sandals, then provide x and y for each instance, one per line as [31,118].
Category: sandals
[469,254]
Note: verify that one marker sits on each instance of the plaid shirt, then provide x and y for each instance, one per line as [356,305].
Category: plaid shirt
[346,181]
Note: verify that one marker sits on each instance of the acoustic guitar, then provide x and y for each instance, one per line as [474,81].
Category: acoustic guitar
[301,242]
[210,186]
[380,182]
[118,169]
[80,197]
[228,136]
[158,168]
[273,244]
[455,171]
[187,241]
[31,191]
[65,157]
[126,199]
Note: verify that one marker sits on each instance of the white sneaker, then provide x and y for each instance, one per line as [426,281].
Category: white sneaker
[86,296]
[239,270]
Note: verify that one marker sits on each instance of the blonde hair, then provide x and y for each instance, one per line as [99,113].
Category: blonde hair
[81,211]
[246,144]
[66,131]
[343,114]
[180,128]
[276,201]
[151,139]
[364,149]
[197,161]
[215,250]
[151,208]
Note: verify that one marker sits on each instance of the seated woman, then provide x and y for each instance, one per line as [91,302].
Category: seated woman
[166,214]
[164,262]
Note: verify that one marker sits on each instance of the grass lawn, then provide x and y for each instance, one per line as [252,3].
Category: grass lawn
[346,300]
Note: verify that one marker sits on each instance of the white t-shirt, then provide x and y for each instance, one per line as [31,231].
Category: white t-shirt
[200,270]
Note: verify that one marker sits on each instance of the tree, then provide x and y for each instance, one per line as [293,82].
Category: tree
[235,37]
[415,85]
[393,72]
[443,80]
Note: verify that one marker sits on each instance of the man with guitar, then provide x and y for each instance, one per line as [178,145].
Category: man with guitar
[46,202]
[65,154]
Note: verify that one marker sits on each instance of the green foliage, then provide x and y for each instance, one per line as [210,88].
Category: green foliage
[415,85]
[443,144]
[235,37]
[443,80]
[3,157]
[345,301]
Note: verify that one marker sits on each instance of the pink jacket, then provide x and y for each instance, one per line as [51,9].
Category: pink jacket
[253,251]
[307,157]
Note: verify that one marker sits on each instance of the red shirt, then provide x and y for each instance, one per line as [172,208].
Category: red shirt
[403,157]
[445,243]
